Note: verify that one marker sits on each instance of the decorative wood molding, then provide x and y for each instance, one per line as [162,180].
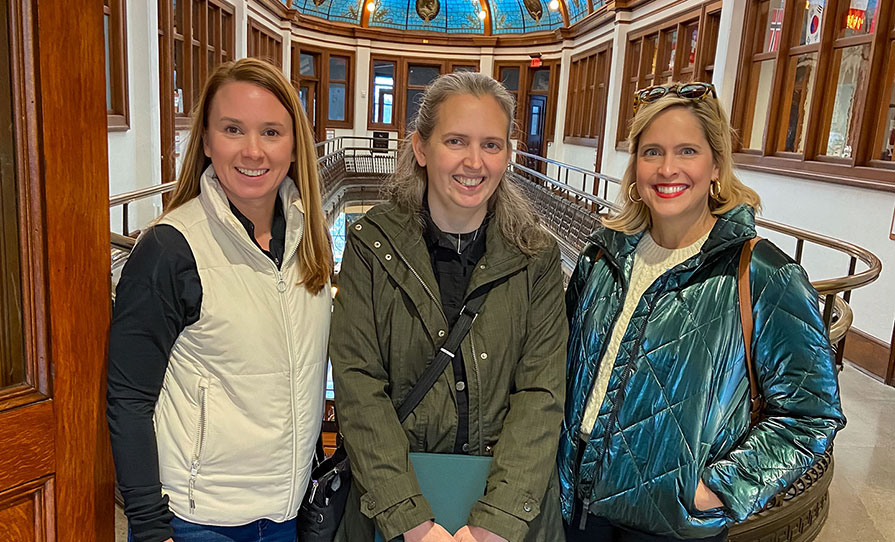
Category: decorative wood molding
[868,353]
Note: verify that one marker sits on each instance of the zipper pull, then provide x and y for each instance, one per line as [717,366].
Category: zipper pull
[281,284]
[194,472]
[585,510]
[314,484]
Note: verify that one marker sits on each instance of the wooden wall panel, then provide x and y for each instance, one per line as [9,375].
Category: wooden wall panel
[29,431]
[26,512]
[72,130]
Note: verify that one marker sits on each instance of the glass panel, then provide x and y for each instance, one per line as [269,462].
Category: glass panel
[693,32]
[762,78]
[12,358]
[197,83]
[541,80]
[337,101]
[810,20]
[510,78]
[635,55]
[213,14]
[652,49]
[458,69]
[178,84]
[387,107]
[108,64]
[194,24]
[178,16]
[413,104]
[306,65]
[773,24]
[210,62]
[338,68]
[669,50]
[383,91]
[303,97]
[860,18]
[802,71]
[422,75]
[854,68]
[887,152]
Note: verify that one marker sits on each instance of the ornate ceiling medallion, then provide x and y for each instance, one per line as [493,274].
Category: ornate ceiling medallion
[534,9]
[428,9]
[318,2]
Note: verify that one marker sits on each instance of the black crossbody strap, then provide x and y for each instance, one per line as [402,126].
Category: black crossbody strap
[443,357]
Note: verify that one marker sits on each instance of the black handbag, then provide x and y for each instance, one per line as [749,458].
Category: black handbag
[324,503]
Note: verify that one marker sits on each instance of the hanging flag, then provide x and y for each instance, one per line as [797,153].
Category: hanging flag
[812,21]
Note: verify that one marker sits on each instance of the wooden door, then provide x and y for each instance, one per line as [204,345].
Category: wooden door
[56,480]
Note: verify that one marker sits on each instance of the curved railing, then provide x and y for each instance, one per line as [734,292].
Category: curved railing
[349,166]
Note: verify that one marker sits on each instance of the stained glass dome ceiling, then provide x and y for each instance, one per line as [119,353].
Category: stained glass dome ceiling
[451,16]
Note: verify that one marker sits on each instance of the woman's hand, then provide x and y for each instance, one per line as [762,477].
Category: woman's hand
[476,534]
[428,531]
[705,498]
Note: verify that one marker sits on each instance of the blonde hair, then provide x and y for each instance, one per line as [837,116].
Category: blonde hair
[513,214]
[634,216]
[315,257]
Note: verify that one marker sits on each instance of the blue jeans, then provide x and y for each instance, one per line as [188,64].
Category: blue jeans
[263,530]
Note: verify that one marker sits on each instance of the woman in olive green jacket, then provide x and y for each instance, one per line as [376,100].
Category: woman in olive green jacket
[453,225]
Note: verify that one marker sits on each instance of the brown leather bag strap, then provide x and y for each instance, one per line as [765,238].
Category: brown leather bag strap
[745,298]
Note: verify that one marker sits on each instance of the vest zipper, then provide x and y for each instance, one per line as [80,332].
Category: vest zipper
[281,288]
[199,444]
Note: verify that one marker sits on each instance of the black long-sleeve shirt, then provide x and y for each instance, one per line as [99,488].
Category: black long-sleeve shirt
[453,257]
[159,294]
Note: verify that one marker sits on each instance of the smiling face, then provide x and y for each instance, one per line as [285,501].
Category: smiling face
[674,171]
[250,140]
[465,159]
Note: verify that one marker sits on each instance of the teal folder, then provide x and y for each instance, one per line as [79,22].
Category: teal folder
[452,483]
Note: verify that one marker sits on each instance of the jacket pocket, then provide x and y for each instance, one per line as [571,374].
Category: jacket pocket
[198,441]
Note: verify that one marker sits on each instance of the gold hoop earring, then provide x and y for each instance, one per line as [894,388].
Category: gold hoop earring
[631,188]
[715,189]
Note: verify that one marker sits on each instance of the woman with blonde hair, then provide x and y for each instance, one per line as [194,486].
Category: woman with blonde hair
[455,233]
[679,420]
[217,350]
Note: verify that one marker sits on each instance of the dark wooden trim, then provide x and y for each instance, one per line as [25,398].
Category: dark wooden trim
[166,92]
[396,97]
[867,352]
[857,176]
[264,43]
[118,117]
[74,183]
[581,141]
[28,171]
[322,80]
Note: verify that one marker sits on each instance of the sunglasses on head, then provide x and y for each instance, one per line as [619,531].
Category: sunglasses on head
[691,91]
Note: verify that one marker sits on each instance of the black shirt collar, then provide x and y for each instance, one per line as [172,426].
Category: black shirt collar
[277,230]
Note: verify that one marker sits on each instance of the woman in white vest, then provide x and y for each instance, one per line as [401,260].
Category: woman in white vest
[217,351]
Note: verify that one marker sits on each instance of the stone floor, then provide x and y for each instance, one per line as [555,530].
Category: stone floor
[862,494]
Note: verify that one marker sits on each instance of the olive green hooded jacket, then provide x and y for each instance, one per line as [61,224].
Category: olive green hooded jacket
[387,324]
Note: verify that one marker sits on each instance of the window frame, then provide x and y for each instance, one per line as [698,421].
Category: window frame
[402,85]
[522,94]
[171,120]
[264,43]
[704,16]
[588,91]
[118,115]
[863,168]
[322,81]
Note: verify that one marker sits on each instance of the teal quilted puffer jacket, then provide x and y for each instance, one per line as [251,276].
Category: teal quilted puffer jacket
[677,408]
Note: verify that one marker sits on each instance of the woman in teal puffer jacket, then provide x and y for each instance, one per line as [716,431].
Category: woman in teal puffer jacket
[657,442]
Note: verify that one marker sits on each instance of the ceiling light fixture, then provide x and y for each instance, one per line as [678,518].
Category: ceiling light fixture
[371,6]
[554,5]
[482,15]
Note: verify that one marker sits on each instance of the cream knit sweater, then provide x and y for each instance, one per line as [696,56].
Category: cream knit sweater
[650,262]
